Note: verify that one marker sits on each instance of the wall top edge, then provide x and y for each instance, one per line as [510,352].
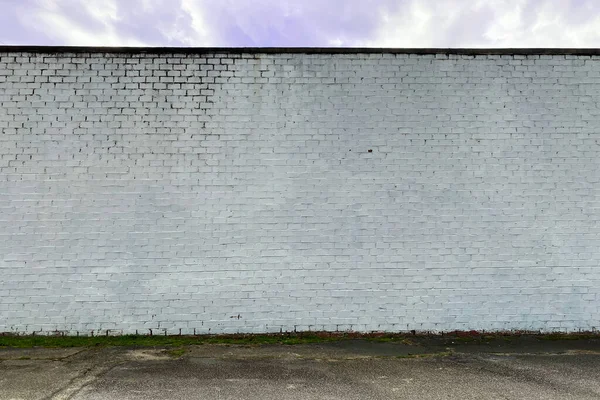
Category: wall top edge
[303,50]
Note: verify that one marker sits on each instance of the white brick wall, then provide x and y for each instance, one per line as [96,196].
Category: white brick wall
[265,192]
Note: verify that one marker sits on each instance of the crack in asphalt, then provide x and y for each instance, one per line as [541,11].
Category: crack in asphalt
[85,378]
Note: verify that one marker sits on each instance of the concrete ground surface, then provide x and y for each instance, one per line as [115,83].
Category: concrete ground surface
[353,369]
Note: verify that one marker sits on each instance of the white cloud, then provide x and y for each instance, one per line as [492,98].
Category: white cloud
[200,34]
[417,23]
[401,23]
[513,23]
[549,28]
[411,27]
[48,18]
[105,11]
[507,26]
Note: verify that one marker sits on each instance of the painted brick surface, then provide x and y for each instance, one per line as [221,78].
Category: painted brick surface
[266,192]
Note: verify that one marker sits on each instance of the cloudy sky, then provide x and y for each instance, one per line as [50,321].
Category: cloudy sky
[369,23]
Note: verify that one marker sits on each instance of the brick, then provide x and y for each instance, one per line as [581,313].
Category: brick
[299,192]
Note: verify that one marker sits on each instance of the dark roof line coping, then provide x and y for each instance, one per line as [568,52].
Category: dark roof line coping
[302,50]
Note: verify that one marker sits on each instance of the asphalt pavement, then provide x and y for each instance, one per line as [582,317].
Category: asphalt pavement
[522,368]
